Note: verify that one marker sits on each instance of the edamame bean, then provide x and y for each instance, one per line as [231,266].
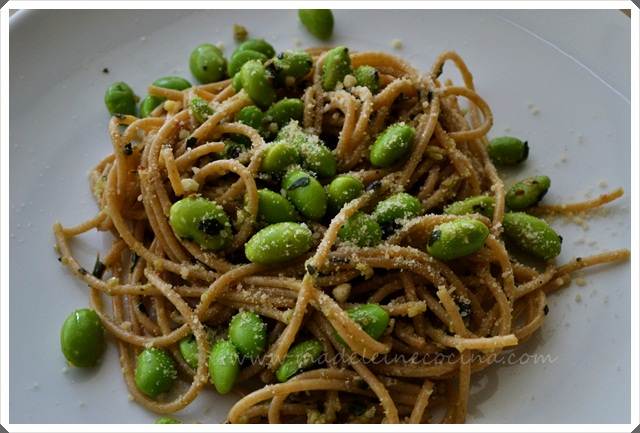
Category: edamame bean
[150,102]
[251,116]
[482,204]
[292,66]
[257,82]
[278,157]
[392,144]
[202,221]
[274,208]
[236,83]
[527,192]
[278,243]
[319,22]
[239,58]
[189,350]
[362,230]
[259,45]
[120,99]
[173,83]
[315,156]
[341,191]
[508,150]
[82,338]
[458,238]
[337,65]
[369,77]
[300,357]
[167,420]
[224,366]
[248,332]
[284,111]
[533,235]
[372,318]
[207,63]
[390,213]
[201,109]
[305,193]
[155,372]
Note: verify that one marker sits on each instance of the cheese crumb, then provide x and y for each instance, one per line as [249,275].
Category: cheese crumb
[396,43]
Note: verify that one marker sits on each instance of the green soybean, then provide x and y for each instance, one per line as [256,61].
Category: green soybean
[257,82]
[202,221]
[337,65]
[278,243]
[399,207]
[239,58]
[300,357]
[305,193]
[533,235]
[369,77]
[173,83]
[150,102]
[189,350]
[362,230]
[155,372]
[207,63]
[291,66]
[224,366]
[284,111]
[274,208]
[527,192]
[319,22]
[278,157]
[167,420]
[458,238]
[236,83]
[251,116]
[481,204]
[120,99]
[248,332]
[259,45]
[392,144]
[315,155]
[508,150]
[82,338]
[341,191]
[201,109]
[372,318]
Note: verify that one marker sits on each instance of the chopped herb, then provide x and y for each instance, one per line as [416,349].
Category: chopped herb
[339,260]
[105,71]
[578,259]
[546,310]
[127,149]
[429,95]
[120,116]
[134,261]
[373,185]
[302,182]
[435,235]
[464,308]
[191,141]
[82,271]
[98,268]
[211,226]
[311,269]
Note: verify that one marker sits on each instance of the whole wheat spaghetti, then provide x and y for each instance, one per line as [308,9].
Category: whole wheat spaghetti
[448,319]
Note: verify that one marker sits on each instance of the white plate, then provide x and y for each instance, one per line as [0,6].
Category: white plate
[560,79]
